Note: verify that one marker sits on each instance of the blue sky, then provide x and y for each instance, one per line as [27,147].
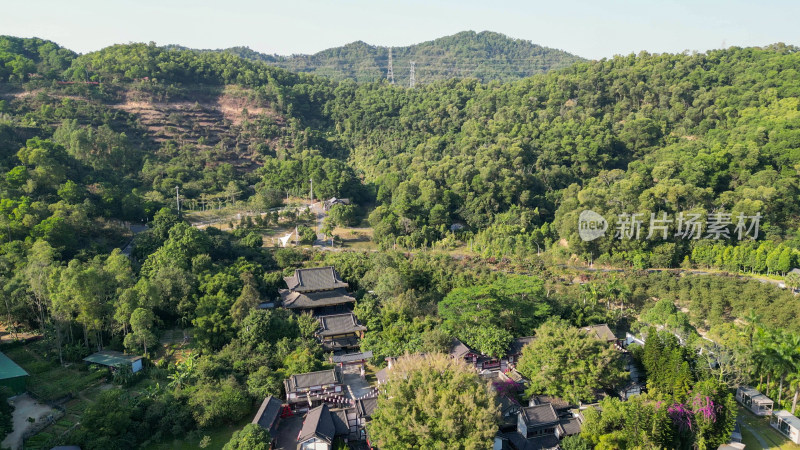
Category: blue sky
[592,29]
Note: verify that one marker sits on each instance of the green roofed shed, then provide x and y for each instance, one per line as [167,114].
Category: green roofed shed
[111,358]
[12,375]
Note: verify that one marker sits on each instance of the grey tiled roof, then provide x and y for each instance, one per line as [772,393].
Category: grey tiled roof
[366,406]
[539,415]
[339,417]
[559,404]
[535,443]
[458,349]
[318,423]
[601,332]
[571,426]
[322,422]
[268,413]
[306,380]
[310,300]
[340,343]
[339,324]
[517,345]
[350,357]
[315,279]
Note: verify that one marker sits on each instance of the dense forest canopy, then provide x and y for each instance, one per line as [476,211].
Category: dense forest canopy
[514,162]
[90,143]
[486,56]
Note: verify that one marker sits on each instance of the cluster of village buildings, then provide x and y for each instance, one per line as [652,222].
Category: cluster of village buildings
[321,407]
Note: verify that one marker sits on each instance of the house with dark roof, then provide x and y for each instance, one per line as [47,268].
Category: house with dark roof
[515,348]
[269,414]
[364,408]
[321,427]
[602,332]
[460,350]
[352,359]
[541,425]
[314,280]
[340,332]
[317,303]
[308,390]
[538,420]
[318,291]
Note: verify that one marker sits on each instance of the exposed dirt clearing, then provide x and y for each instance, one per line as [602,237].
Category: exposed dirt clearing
[24,406]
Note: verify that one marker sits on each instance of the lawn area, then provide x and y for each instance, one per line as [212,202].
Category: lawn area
[761,426]
[219,437]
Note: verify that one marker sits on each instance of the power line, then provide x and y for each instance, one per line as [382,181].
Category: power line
[390,72]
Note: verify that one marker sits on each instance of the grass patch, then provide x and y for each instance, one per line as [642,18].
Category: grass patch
[761,426]
[219,437]
[48,379]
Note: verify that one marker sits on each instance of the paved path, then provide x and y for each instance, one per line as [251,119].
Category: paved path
[357,386]
[136,229]
[759,438]
[758,278]
[24,406]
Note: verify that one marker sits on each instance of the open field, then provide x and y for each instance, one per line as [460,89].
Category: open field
[760,425]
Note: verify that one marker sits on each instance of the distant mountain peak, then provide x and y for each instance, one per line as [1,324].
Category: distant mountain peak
[486,55]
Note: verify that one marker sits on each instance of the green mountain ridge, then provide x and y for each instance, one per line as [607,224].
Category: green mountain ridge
[485,55]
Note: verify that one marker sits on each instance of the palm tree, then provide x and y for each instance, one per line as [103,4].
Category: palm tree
[616,290]
[784,362]
[761,354]
[585,289]
[752,325]
[794,383]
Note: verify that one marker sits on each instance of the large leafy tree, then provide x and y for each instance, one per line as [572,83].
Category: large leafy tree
[434,402]
[251,437]
[566,362]
[487,317]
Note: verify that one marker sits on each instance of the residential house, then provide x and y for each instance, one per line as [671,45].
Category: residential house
[335,201]
[269,414]
[318,291]
[603,333]
[321,427]
[515,349]
[351,359]
[460,350]
[364,408]
[787,424]
[755,401]
[114,360]
[539,426]
[509,410]
[340,333]
[12,376]
[308,390]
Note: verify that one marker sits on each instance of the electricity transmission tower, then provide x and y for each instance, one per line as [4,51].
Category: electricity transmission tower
[390,71]
[412,79]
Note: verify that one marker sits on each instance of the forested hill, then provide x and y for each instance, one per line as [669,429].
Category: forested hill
[485,55]
[514,162]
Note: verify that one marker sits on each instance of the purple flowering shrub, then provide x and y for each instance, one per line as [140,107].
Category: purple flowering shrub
[507,388]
